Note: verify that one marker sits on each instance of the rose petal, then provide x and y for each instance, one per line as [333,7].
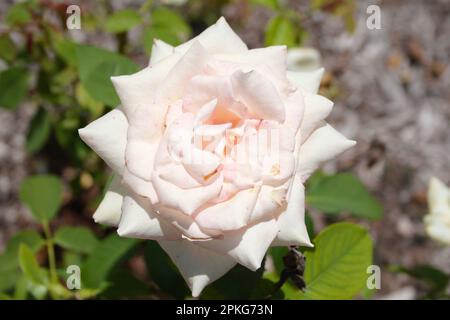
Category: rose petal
[317,108]
[146,111]
[191,63]
[246,246]
[270,61]
[259,95]
[270,201]
[438,197]
[110,208]
[218,38]
[291,223]
[231,214]
[308,80]
[139,221]
[107,136]
[322,145]
[185,224]
[295,107]
[186,200]
[139,186]
[198,266]
[160,51]
[203,89]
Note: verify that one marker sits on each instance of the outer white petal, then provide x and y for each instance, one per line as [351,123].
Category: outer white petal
[246,246]
[107,136]
[160,50]
[322,145]
[291,223]
[218,38]
[146,96]
[231,214]
[139,221]
[259,95]
[146,111]
[110,209]
[317,108]
[308,80]
[198,266]
[138,93]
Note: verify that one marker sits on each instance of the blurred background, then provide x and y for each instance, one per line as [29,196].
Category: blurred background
[391,88]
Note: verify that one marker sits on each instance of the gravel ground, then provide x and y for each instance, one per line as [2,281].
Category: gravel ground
[392,95]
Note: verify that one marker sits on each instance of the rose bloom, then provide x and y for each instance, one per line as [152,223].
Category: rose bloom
[211,148]
[437,222]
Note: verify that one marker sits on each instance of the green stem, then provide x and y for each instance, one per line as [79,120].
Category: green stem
[51,252]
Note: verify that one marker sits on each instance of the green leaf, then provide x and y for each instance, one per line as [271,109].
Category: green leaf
[122,20]
[277,254]
[343,192]
[243,285]
[156,32]
[29,237]
[96,66]
[105,256]
[8,279]
[69,259]
[4,296]
[66,49]
[166,25]
[95,107]
[42,194]
[164,17]
[30,266]
[7,48]
[309,225]
[280,31]
[9,259]
[163,272]
[18,14]
[265,288]
[124,285]
[271,4]
[21,288]
[436,279]
[79,239]
[336,268]
[13,87]
[38,131]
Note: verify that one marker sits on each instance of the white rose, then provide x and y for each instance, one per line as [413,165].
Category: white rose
[182,145]
[437,222]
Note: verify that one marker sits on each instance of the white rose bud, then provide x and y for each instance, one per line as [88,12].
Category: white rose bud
[437,222]
[211,147]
